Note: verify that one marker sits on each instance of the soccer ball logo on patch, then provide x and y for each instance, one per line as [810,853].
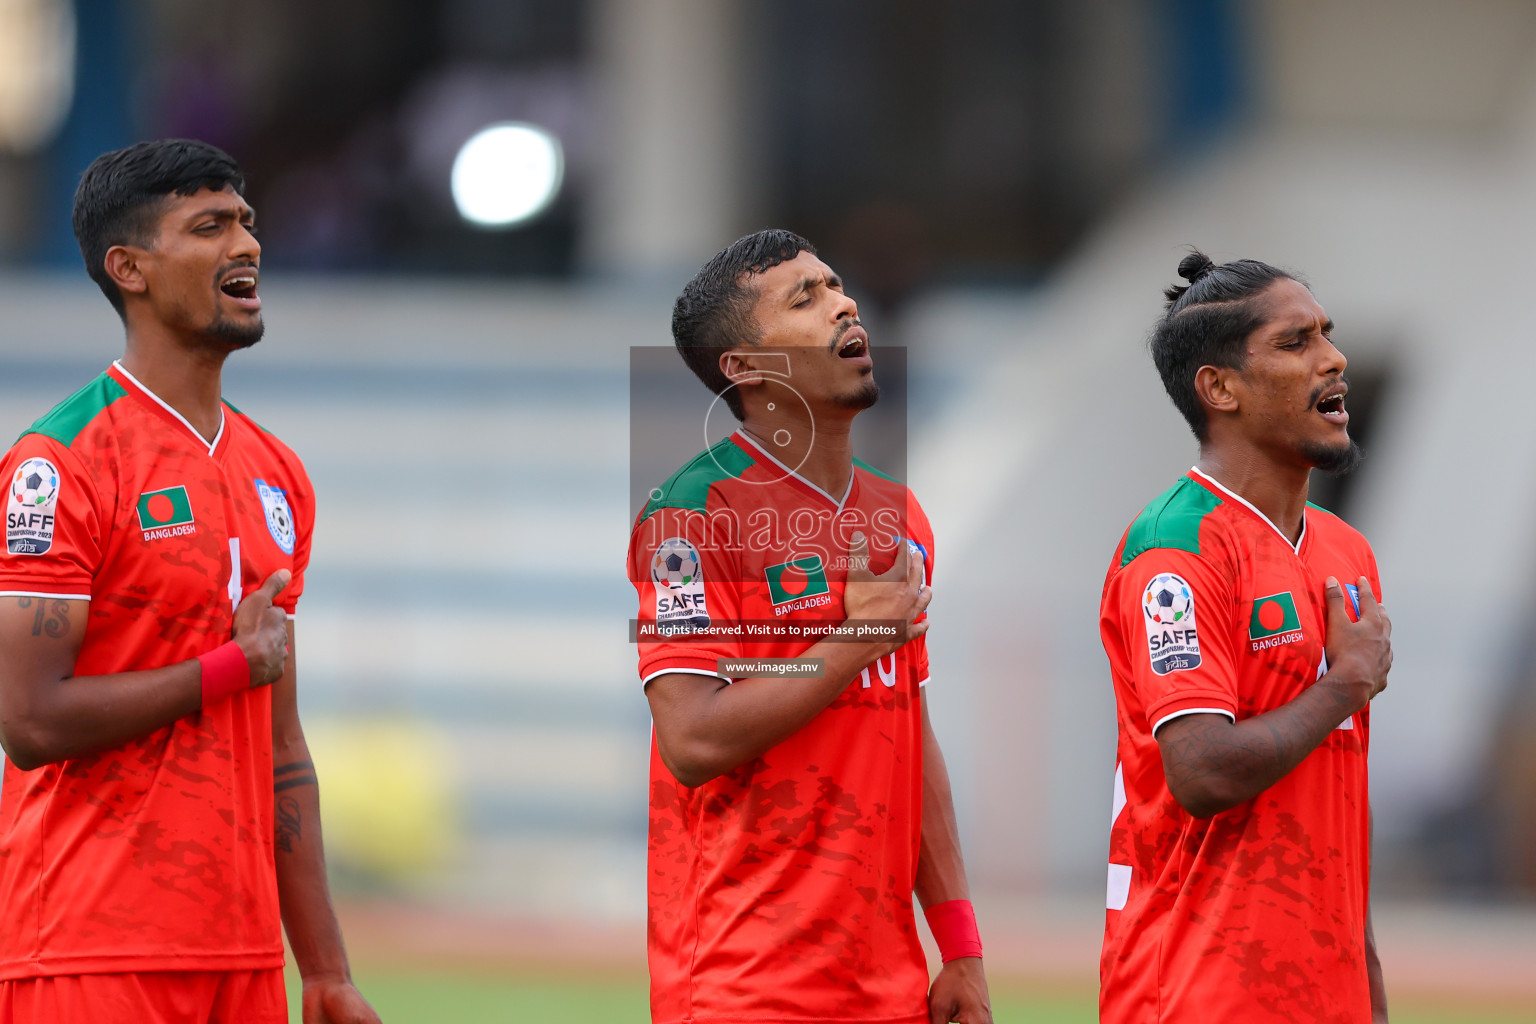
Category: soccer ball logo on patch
[1167,600]
[274,502]
[675,564]
[36,484]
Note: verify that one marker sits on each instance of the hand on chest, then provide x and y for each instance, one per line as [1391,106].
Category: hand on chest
[1282,623]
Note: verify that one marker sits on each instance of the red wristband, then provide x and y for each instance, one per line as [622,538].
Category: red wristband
[225,672]
[953,924]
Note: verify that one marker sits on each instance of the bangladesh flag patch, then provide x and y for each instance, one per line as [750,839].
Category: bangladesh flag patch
[791,581]
[1273,615]
[160,512]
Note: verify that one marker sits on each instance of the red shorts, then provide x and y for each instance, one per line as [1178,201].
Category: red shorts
[152,997]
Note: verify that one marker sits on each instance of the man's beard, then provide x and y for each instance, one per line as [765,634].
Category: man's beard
[866,395]
[1336,460]
[1332,459]
[229,334]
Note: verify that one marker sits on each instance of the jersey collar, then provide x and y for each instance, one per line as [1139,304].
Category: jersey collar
[132,383]
[1213,482]
[743,438]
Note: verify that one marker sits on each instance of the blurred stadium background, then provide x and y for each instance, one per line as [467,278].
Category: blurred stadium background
[1007,186]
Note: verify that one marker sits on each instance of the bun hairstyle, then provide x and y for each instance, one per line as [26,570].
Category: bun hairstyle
[1191,268]
[1206,323]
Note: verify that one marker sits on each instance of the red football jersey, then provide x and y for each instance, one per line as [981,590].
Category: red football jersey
[782,891]
[1258,913]
[157,855]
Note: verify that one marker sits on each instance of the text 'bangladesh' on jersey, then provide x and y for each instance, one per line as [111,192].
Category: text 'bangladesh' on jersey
[1257,914]
[158,855]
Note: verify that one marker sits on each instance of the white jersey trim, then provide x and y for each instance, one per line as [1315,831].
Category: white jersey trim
[1192,711]
[1249,505]
[924,682]
[769,456]
[1117,890]
[683,672]
[39,593]
[167,407]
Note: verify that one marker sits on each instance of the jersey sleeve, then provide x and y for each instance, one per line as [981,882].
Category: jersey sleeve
[303,506]
[54,522]
[689,597]
[922,536]
[1176,612]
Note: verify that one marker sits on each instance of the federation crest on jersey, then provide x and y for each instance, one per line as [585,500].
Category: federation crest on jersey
[29,515]
[678,574]
[274,503]
[1168,608]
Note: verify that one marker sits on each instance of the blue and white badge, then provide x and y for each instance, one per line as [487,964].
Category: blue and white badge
[279,516]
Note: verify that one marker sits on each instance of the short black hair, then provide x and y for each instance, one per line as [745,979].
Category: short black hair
[120,195]
[714,311]
[1206,324]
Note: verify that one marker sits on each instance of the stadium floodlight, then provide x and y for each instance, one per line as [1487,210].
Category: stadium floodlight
[506,174]
[37,71]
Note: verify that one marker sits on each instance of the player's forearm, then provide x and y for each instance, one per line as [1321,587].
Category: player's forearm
[1373,973]
[722,726]
[1372,960]
[47,722]
[1212,764]
[303,892]
[940,867]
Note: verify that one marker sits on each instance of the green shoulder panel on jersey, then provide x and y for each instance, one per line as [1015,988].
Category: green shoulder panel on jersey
[236,411]
[1319,507]
[65,421]
[689,487]
[1171,521]
[866,467]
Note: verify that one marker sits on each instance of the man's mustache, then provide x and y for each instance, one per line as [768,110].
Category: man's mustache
[842,329]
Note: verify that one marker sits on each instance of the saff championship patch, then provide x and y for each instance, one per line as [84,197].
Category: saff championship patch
[274,503]
[29,514]
[1173,642]
[678,574]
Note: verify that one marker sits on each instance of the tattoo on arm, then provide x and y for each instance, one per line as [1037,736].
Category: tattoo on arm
[296,773]
[290,823]
[1256,753]
[52,616]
